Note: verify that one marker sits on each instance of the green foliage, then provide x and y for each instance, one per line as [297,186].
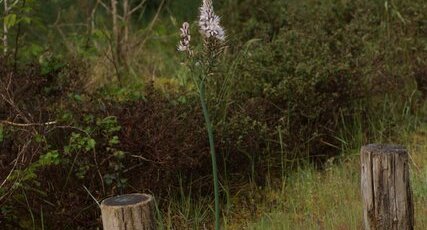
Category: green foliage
[10,20]
[310,72]
[108,124]
[19,14]
[29,174]
[79,142]
[114,176]
[300,81]
[50,158]
[49,64]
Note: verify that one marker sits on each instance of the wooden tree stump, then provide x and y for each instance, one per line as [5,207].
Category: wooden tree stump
[386,190]
[128,212]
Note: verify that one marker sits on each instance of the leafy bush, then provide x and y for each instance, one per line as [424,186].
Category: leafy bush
[321,73]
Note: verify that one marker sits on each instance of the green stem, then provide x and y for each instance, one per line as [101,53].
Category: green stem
[212,150]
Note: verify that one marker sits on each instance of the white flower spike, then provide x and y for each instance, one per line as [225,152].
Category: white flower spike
[209,22]
[184,43]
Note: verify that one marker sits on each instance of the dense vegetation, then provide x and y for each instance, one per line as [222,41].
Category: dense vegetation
[90,108]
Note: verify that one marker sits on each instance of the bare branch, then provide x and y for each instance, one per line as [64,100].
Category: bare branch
[109,9]
[5,28]
[150,27]
[14,166]
[92,15]
[27,124]
[105,6]
[12,5]
[10,101]
[139,6]
[58,28]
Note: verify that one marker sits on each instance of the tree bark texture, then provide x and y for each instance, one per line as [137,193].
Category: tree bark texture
[128,212]
[386,190]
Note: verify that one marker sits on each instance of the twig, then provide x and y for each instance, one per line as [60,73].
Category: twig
[68,127]
[18,35]
[150,27]
[108,9]
[58,28]
[90,194]
[5,29]
[28,124]
[413,162]
[145,159]
[91,23]
[104,5]
[139,6]
[14,166]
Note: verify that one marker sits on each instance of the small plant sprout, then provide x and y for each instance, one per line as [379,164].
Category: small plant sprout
[202,66]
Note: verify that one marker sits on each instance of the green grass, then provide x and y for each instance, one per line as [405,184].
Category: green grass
[278,95]
[307,198]
[330,199]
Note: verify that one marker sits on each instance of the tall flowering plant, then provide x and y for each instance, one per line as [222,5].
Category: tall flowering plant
[202,65]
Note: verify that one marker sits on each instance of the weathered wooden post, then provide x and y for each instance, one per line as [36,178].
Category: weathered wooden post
[130,212]
[386,190]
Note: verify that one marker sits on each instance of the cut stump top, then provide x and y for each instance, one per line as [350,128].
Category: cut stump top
[384,149]
[127,200]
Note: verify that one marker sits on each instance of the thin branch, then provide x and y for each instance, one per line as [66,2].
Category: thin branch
[5,29]
[14,166]
[18,35]
[90,194]
[13,5]
[69,127]
[139,6]
[109,9]
[58,28]
[150,27]
[91,23]
[144,159]
[12,104]
[27,124]
[92,14]
[105,6]
[72,24]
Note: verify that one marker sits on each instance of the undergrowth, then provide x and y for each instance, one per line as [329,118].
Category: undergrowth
[304,84]
[331,199]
